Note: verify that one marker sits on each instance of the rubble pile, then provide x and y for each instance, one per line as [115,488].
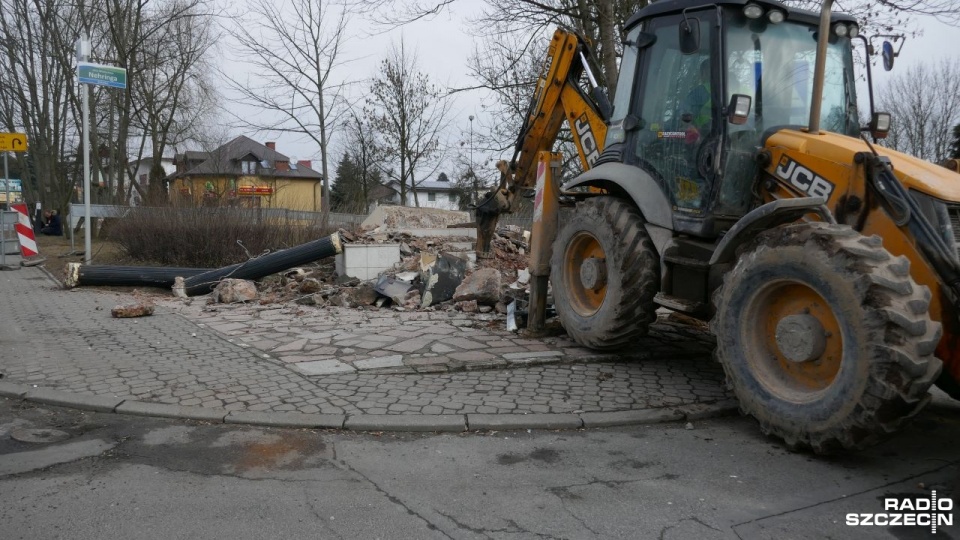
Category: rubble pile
[433,273]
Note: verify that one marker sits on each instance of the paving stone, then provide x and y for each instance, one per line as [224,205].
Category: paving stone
[213,371]
[382,362]
[410,345]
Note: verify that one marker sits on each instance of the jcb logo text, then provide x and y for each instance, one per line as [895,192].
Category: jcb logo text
[804,179]
[588,142]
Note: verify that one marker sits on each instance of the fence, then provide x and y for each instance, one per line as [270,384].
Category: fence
[260,214]
[253,214]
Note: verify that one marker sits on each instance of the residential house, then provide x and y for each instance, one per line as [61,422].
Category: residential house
[244,172]
[440,193]
[141,172]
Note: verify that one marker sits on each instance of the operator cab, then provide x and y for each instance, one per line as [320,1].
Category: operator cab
[687,66]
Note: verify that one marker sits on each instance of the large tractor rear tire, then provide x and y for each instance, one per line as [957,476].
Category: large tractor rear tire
[825,338]
[605,273]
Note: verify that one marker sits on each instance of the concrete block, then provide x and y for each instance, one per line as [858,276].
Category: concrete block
[523,421]
[291,419]
[366,261]
[626,418]
[164,410]
[76,401]
[406,422]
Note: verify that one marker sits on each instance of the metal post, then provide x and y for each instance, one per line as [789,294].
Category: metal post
[3,222]
[546,215]
[88,252]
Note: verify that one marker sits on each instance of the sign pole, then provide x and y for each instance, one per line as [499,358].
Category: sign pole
[82,54]
[3,230]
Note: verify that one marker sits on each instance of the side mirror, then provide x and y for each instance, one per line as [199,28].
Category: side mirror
[880,125]
[689,35]
[738,111]
[888,55]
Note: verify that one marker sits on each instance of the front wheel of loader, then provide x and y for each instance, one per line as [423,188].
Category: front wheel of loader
[605,273]
[825,338]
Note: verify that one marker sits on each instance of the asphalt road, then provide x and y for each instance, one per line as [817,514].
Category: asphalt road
[129,477]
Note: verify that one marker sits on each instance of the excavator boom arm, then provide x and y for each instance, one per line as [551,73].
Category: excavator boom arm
[558,97]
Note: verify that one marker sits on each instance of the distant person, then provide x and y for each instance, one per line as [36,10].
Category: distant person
[52,227]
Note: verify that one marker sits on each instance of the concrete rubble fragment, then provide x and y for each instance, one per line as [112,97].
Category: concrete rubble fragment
[482,286]
[394,289]
[230,291]
[440,281]
[140,309]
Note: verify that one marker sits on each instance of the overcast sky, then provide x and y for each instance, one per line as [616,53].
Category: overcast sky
[443,44]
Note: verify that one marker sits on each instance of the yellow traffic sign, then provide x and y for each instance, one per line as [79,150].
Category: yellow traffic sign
[13,142]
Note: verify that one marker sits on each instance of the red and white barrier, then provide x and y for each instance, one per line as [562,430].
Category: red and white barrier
[28,242]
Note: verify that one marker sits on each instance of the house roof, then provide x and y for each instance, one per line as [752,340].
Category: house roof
[226,159]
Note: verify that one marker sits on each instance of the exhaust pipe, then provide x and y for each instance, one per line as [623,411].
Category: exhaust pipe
[820,66]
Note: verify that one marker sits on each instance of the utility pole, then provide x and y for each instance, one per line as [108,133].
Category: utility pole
[473,176]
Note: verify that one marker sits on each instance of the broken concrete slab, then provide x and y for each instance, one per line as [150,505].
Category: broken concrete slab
[393,289]
[441,280]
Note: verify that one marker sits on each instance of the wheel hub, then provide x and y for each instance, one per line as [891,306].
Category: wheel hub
[593,273]
[801,338]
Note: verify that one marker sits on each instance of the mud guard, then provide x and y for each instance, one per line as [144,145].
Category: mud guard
[764,218]
[639,186]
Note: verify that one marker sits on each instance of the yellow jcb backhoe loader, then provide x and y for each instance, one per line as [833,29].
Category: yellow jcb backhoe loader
[735,184]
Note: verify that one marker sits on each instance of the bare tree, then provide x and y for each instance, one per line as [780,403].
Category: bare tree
[925,103]
[410,113]
[294,59]
[173,93]
[38,93]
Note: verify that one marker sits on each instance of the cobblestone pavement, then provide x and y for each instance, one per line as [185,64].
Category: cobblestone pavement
[290,358]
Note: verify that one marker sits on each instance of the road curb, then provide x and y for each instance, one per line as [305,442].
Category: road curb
[451,423]
[523,421]
[421,422]
[164,410]
[286,419]
[86,402]
[11,390]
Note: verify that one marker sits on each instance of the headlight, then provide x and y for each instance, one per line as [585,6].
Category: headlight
[752,11]
[854,31]
[840,30]
[775,16]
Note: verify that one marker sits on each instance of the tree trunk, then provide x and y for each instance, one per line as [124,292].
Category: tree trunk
[608,45]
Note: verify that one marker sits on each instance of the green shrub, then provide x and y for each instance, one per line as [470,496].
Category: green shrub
[206,237]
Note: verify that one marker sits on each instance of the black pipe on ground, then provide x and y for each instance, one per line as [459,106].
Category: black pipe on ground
[262,266]
[135,276]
